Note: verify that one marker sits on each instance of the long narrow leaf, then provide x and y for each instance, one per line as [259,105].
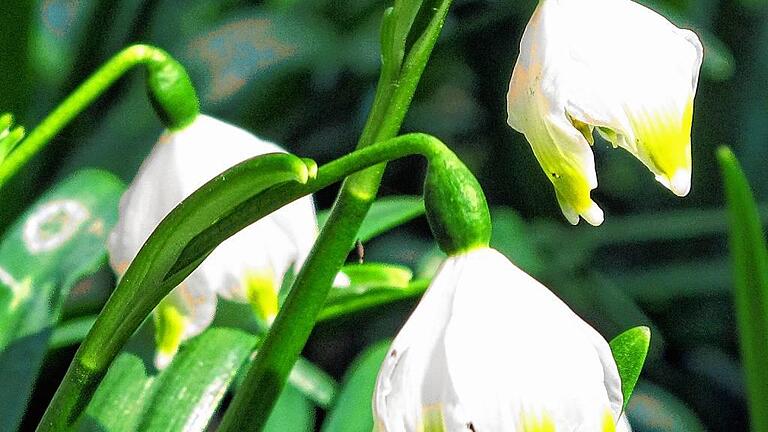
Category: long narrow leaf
[750,271]
[56,243]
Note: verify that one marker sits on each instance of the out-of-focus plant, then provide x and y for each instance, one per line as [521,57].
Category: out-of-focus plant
[750,288]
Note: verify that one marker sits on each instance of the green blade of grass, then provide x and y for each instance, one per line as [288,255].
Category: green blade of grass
[750,272]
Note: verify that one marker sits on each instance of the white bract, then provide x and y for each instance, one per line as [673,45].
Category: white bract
[611,65]
[489,348]
[247,267]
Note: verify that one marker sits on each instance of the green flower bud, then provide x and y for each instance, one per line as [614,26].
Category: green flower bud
[455,205]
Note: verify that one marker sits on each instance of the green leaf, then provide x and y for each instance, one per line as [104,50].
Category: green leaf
[385,214]
[136,397]
[119,402]
[342,303]
[511,237]
[71,332]
[313,383]
[293,412]
[352,410]
[750,285]
[187,393]
[629,350]
[365,276]
[50,248]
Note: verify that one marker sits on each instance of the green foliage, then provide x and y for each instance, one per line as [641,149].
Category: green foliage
[136,397]
[150,277]
[750,271]
[303,74]
[629,350]
[352,411]
[385,214]
[55,244]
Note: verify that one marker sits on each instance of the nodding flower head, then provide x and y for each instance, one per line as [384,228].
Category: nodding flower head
[247,267]
[489,348]
[611,66]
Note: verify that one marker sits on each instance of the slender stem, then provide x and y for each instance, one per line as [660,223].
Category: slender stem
[141,289]
[289,333]
[157,60]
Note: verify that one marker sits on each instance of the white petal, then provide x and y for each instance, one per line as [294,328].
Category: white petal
[534,356]
[402,388]
[610,64]
[492,348]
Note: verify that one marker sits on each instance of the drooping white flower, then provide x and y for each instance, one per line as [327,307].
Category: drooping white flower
[489,348]
[611,65]
[247,267]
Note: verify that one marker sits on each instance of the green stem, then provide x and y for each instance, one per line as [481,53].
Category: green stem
[165,261]
[290,331]
[170,90]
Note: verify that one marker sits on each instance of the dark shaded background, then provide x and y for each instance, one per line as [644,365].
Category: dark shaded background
[303,74]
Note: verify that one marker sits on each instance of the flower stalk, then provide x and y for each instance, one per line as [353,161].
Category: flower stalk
[289,333]
[169,87]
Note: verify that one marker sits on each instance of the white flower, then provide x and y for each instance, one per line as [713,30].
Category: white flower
[247,267]
[613,65]
[489,348]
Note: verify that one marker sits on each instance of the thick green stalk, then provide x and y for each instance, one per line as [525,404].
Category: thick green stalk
[290,331]
[170,91]
[179,245]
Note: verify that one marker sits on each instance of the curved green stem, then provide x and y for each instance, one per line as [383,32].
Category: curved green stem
[170,90]
[187,235]
[290,331]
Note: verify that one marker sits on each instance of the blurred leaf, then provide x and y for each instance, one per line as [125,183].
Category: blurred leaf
[313,382]
[54,244]
[293,412]
[16,20]
[629,350]
[71,332]
[249,49]
[653,409]
[385,214]
[512,238]
[358,278]
[750,270]
[347,302]
[719,64]
[60,30]
[352,410]
[136,397]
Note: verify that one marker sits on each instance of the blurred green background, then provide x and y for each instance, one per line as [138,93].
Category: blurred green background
[303,75]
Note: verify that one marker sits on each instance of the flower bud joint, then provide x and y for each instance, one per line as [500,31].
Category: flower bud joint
[172,94]
[455,205]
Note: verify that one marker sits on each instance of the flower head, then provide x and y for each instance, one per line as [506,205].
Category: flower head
[247,267]
[489,348]
[611,65]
